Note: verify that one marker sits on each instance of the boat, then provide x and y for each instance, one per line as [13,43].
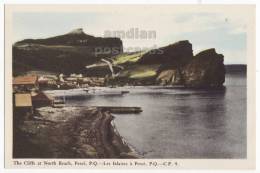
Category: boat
[124,92]
[58,103]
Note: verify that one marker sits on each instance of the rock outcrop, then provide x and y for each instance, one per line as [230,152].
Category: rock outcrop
[169,77]
[178,66]
[206,69]
[72,132]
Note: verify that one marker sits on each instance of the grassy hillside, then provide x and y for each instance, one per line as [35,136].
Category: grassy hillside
[140,71]
[127,58]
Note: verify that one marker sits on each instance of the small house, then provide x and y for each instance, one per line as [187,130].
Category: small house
[23,104]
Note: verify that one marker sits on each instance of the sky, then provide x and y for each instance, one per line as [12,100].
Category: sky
[223,30]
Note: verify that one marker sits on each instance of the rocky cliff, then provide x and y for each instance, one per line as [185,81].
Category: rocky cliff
[205,69]
[172,65]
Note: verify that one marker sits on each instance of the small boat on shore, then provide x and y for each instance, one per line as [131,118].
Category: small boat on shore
[58,103]
[98,91]
[125,92]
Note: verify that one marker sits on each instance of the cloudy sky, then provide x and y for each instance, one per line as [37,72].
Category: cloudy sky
[205,28]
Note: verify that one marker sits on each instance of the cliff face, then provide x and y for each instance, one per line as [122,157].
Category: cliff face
[170,77]
[68,53]
[174,65]
[205,69]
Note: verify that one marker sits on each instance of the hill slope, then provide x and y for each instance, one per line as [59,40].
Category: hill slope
[66,53]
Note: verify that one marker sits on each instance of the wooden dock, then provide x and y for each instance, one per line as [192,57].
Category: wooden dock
[120,109]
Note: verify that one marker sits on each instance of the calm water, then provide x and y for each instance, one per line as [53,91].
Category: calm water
[177,123]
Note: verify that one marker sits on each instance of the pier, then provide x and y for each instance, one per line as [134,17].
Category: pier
[120,109]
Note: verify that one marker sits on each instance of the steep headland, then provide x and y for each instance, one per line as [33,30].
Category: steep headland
[172,65]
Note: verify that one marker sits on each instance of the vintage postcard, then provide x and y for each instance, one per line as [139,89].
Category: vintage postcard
[130,86]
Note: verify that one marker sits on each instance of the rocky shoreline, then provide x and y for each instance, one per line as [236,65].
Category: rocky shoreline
[69,132]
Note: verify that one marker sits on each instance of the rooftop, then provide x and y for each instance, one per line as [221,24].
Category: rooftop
[23,80]
[23,100]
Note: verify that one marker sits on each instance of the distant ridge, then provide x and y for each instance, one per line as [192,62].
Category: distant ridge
[236,68]
[76,37]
